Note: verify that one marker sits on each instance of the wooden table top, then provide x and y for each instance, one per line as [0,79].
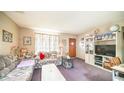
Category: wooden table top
[119,68]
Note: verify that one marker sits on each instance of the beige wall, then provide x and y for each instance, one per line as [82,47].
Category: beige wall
[102,29]
[8,25]
[80,50]
[120,42]
[66,37]
[28,32]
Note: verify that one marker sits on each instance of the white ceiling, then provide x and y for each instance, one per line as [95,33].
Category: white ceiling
[63,21]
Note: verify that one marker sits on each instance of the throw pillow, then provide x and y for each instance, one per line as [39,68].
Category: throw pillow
[46,55]
[42,56]
[2,65]
[4,72]
[7,61]
[11,67]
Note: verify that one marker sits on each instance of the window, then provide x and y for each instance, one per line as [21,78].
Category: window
[46,43]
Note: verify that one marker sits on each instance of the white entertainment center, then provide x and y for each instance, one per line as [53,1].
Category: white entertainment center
[90,52]
[105,47]
[112,39]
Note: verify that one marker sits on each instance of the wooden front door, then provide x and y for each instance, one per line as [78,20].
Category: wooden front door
[72,47]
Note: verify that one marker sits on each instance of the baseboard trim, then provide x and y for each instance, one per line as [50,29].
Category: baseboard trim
[80,58]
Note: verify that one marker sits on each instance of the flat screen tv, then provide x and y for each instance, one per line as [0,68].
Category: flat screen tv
[107,50]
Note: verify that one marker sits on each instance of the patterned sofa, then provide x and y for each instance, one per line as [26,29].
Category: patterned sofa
[50,57]
[54,57]
[13,70]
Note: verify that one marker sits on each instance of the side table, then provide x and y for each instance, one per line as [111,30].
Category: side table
[118,73]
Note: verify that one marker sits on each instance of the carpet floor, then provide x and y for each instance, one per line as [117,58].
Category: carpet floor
[85,72]
[36,75]
[80,72]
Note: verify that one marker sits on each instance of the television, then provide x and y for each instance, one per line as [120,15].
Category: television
[107,50]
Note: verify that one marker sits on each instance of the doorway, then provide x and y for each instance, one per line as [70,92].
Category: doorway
[72,47]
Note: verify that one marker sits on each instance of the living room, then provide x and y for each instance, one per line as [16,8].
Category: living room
[35,35]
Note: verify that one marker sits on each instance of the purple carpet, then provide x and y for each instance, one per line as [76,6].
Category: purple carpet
[80,72]
[85,72]
[36,75]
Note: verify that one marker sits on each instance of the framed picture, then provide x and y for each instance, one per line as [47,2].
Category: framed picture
[7,36]
[27,40]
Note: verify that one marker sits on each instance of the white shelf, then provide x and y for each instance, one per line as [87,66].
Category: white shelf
[104,56]
[105,40]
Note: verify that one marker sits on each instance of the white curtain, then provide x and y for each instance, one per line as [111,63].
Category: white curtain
[46,43]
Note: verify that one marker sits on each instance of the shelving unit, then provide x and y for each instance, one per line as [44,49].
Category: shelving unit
[97,60]
[82,42]
[108,38]
[101,59]
[105,40]
[89,49]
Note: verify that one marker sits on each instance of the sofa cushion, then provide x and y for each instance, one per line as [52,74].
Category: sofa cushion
[4,72]
[15,58]
[26,63]
[16,62]
[22,72]
[59,61]
[49,54]
[7,61]
[11,67]
[11,58]
[19,74]
[2,64]
[46,54]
